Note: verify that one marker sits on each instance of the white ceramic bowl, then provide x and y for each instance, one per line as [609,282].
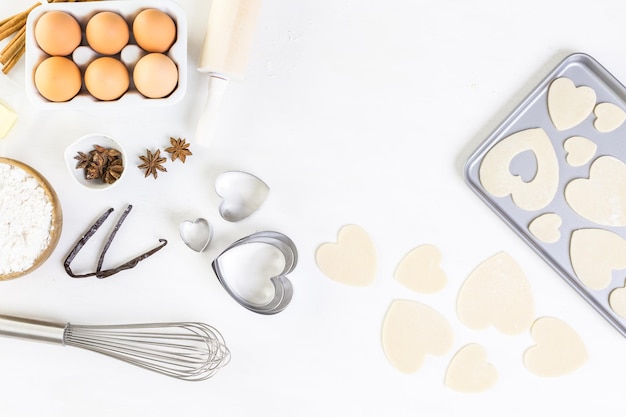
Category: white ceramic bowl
[86,144]
[83,55]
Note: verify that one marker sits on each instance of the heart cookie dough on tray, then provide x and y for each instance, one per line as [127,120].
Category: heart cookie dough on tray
[573,211]
[595,254]
[568,104]
[579,150]
[608,117]
[546,227]
[617,301]
[600,198]
[496,177]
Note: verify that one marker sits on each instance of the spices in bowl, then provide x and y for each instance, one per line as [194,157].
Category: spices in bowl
[31,219]
[101,163]
[96,161]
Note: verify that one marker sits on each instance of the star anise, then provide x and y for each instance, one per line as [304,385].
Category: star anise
[152,163]
[109,152]
[99,162]
[179,149]
[113,172]
[83,160]
[93,171]
[99,158]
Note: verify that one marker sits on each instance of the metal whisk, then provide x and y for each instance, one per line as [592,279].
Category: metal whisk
[190,351]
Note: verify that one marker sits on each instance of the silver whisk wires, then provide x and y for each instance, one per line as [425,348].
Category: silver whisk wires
[189,351]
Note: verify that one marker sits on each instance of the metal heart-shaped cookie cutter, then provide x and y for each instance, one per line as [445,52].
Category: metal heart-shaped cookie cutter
[283,290]
[196,234]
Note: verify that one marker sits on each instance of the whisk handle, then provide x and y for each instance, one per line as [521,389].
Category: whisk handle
[32,329]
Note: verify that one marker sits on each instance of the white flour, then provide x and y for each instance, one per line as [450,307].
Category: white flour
[25,219]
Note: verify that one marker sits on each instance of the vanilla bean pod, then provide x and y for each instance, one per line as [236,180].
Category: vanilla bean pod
[99,273]
[112,236]
[81,242]
[132,263]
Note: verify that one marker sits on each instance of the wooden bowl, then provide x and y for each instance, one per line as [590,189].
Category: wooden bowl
[57,218]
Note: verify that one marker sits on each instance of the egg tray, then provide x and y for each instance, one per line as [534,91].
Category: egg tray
[532,113]
[83,55]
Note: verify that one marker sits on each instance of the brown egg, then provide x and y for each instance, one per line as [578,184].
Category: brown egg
[107,33]
[155,75]
[57,78]
[57,33]
[154,30]
[107,78]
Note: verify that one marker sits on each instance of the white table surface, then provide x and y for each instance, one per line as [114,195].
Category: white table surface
[354,112]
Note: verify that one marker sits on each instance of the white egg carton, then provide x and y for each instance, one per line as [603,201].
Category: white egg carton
[83,55]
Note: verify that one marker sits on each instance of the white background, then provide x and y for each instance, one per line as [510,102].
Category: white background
[354,112]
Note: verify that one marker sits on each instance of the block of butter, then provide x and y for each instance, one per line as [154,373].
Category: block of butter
[7,119]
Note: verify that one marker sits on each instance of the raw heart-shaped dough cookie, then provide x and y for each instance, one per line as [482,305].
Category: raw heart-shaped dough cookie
[497,293]
[420,270]
[558,350]
[595,254]
[496,177]
[600,198]
[469,370]
[352,260]
[608,117]
[617,301]
[412,330]
[579,150]
[569,105]
[546,227]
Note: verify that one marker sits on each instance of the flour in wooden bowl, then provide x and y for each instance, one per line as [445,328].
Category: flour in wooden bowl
[30,219]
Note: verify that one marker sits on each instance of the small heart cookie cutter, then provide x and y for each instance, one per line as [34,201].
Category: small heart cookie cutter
[196,234]
[283,289]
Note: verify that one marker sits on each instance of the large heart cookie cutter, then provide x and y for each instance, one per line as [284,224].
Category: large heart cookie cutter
[283,290]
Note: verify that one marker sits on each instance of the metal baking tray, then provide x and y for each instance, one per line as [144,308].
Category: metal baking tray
[532,112]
